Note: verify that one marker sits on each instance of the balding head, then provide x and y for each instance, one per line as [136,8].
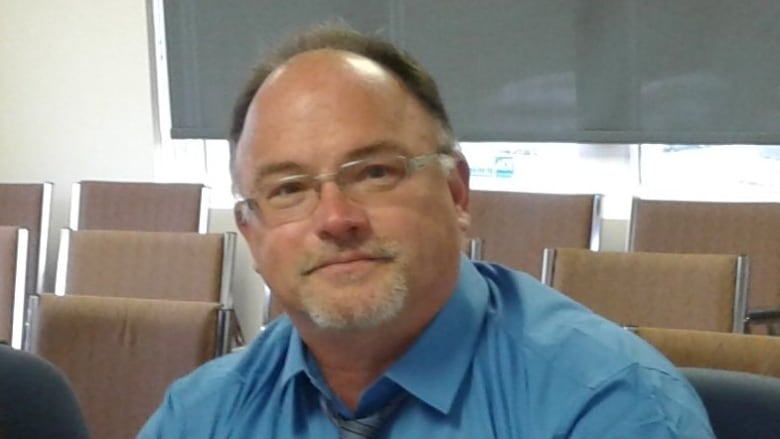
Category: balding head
[395,61]
[308,72]
[330,98]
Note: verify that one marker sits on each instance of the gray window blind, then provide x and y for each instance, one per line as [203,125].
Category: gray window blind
[626,71]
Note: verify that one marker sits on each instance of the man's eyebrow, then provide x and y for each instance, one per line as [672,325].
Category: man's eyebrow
[290,167]
[287,167]
[383,146]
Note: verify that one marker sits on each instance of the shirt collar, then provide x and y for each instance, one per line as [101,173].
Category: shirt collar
[295,362]
[446,345]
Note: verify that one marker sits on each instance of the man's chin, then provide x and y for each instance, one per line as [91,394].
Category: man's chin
[349,311]
[355,297]
[345,325]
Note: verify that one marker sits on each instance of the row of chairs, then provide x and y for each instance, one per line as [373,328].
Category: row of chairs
[668,290]
[28,206]
[750,353]
[14,242]
[120,354]
[134,310]
[142,293]
[102,205]
[515,228]
[173,207]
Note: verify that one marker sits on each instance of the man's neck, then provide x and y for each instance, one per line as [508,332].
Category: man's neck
[352,361]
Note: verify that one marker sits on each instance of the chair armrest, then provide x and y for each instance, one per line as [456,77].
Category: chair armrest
[761,315]
[765,316]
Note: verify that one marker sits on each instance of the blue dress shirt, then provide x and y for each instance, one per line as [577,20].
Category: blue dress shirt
[507,357]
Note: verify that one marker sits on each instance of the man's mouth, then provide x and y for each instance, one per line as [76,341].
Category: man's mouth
[345,259]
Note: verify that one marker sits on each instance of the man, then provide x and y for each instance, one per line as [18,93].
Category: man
[354,205]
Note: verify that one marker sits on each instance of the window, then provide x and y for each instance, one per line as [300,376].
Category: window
[710,172]
[697,172]
[197,161]
[556,168]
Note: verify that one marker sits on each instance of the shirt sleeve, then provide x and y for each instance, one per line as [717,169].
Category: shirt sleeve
[639,402]
[162,424]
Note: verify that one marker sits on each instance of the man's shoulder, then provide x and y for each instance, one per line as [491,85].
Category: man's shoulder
[559,334]
[589,367]
[256,365]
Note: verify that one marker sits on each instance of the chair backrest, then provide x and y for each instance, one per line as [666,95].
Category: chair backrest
[28,205]
[512,228]
[120,354]
[13,263]
[740,405]
[715,227]
[159,207]
[155,265]
[689,291]
[36,401]
[759,354]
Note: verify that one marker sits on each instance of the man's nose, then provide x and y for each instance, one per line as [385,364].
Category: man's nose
[338,217]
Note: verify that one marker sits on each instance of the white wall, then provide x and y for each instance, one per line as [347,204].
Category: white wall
[75,96]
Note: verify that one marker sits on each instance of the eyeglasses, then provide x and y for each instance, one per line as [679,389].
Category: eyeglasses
[291,198]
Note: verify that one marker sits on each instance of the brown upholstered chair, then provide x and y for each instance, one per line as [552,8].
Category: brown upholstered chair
[120,354]
[154,265]
[688,291]
[758,354]
[512,228]
[28,205]
[157,207]
[717,227]
[151,265]
[13,264]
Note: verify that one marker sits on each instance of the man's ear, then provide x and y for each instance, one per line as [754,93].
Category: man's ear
[240,215]
[459,188]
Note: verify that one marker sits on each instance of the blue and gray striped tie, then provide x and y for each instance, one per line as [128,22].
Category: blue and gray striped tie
[362,428]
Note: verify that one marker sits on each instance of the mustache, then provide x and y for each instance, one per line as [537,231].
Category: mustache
[372,250]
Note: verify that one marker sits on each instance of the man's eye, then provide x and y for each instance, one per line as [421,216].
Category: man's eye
[378,171]
[285,189]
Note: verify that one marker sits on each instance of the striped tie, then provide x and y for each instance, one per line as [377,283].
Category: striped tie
[362,428]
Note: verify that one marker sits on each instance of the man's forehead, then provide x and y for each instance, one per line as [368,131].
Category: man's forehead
[318,72]
[323,63]
[323,78]
[344,84]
